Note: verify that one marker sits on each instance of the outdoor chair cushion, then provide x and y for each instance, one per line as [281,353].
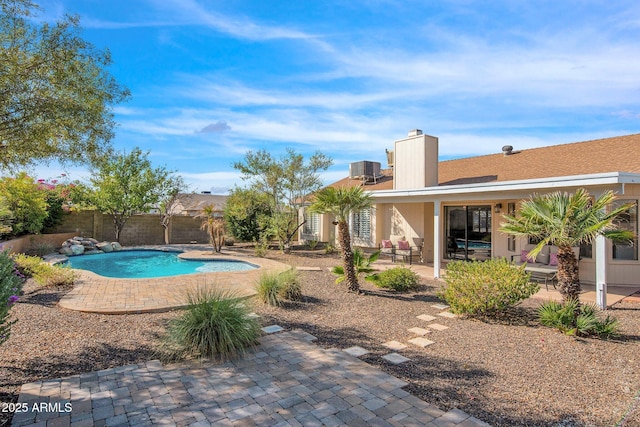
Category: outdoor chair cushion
[386,244]
[403,245]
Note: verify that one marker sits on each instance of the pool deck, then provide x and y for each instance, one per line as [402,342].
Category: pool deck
[97,294]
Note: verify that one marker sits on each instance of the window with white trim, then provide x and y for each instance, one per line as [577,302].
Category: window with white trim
[361,224]
[312,224]
[628,220]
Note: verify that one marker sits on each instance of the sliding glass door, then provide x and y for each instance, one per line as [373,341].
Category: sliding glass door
[468,232]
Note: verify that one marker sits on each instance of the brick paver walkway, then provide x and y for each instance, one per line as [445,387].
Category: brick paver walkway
[286,381]
[98,294]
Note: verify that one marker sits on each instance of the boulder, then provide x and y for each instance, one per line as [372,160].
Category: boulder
[116,246]
[92,240]
[66,250]
[105,246]
[77,249]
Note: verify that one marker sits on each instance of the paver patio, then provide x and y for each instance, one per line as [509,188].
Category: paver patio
[285,381]
[97,294]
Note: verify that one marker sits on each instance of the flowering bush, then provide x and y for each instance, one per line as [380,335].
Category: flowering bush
[10,286]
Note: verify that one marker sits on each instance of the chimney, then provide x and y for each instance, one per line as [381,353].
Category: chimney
[507,150]
[415,161]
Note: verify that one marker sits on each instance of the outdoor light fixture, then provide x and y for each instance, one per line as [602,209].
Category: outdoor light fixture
[498,207]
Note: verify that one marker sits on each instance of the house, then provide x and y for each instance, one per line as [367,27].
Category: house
[432,204]
[192,204]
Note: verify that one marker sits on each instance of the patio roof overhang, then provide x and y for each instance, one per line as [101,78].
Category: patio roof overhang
[509,189]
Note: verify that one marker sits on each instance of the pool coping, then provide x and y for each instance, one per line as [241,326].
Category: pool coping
[93,293]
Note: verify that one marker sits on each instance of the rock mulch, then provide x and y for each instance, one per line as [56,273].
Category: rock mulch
[507,372]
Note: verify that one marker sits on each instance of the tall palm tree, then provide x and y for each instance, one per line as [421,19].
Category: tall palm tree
[567,220]
[341,202]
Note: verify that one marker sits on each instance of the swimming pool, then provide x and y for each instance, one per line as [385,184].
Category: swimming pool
[140,264]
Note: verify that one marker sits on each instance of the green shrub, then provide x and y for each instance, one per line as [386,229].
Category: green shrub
[312,244]
[573,318]
[272,287]
[291,288]
[44,273]
[10,287]
[215,325]
[329,249]
[269,287]
[261,248]
[26,202]
[41,248]
[398,278]
[485,288]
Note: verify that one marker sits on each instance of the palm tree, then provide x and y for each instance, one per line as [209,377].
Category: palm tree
[341,202]
[213,222]
[567,220]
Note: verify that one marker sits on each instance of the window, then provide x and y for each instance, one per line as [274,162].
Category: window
[627,221]
[361,225]
[312,225]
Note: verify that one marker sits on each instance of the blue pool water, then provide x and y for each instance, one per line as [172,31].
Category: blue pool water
[474,244]
[148,263]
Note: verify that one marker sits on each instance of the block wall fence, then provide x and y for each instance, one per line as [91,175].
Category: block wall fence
[144,229]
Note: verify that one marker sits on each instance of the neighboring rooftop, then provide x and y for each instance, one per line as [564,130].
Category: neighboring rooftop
[617,154]
[193,203]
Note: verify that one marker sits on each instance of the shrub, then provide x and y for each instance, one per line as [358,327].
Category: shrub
[329,249]
[291,289]
[272,288]
[362,265]
[44,273]
[261,248]
[573,318]
[398,278]
[268,288]
[312,244]
[10,287]
[26,202]
[215,325]
[485,288]
[41,248]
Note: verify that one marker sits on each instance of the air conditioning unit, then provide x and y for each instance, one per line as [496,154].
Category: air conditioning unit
[365,171]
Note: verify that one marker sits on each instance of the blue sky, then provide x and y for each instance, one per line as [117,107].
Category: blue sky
[213,79]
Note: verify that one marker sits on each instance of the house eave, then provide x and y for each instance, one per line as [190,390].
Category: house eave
[509,188]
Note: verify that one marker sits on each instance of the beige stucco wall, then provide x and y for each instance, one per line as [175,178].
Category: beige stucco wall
[416,162]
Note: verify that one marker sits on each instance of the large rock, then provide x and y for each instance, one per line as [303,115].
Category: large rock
[66,250]
[105,246]
[77,249]
[116,246]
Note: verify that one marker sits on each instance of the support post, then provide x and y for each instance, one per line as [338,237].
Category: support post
[436,239]
[601,272]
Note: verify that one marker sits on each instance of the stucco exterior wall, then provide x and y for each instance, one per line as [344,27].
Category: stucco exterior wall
[416,162]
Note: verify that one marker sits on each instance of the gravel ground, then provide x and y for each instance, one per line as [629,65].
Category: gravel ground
[510,372]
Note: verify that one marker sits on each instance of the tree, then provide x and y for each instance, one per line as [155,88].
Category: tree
[287,182]
[247,213]
[213,222]
[340,202]
[127,184]
[55,93]
[566,220]
[26,202]
[168,203]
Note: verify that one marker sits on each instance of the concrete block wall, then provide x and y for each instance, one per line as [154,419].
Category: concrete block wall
[143,229]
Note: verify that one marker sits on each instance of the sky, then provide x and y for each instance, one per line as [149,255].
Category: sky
[211,80]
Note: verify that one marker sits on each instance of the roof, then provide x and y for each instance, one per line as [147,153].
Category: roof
[617,154]
[197,202]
